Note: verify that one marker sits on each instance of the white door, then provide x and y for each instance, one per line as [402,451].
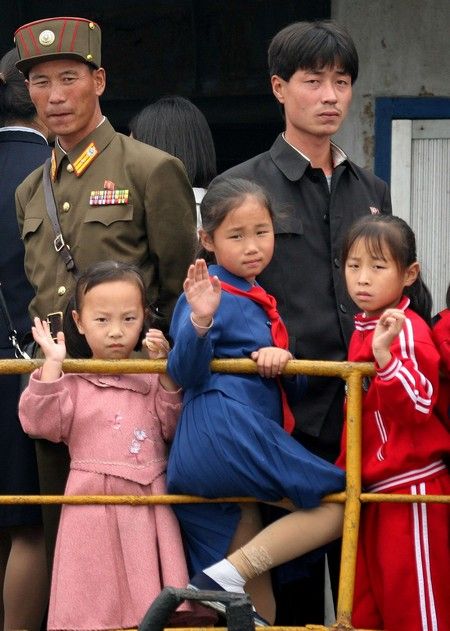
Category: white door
[420,188]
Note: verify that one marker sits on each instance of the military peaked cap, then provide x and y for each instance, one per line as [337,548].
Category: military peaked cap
[53,38]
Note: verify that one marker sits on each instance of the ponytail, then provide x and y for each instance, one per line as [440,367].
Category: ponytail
[420,297]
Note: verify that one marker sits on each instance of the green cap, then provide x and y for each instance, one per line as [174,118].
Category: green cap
[53,38]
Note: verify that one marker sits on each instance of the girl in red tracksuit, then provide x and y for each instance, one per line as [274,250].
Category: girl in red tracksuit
[403,554]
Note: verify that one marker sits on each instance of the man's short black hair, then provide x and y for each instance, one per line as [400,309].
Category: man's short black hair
[312,46]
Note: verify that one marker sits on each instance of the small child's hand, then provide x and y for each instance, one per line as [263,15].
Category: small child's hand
[157,345]
[53,351]
[271,360]
[202,293]
[388,327]
[158,348]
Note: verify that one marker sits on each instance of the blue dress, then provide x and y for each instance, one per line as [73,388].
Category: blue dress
[229,440]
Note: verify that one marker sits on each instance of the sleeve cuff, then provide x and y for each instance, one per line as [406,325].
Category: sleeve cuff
[36,386]
[390,370]
[169,396]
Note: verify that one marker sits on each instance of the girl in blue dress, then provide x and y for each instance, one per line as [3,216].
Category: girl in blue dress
[233,436]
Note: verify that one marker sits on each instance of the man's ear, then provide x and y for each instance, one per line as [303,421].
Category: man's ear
[100,80]
[411,274]
[277,87]
[206,240]
[77,320]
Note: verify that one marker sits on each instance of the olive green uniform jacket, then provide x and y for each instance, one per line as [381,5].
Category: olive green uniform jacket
[155,229]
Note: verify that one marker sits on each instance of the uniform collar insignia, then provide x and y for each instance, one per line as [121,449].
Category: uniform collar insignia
[100,137]
[85,158]
[53,166]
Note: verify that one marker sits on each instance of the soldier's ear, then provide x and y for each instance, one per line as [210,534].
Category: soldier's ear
[99,76]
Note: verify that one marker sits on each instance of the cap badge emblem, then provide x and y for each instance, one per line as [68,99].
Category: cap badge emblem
[46,38]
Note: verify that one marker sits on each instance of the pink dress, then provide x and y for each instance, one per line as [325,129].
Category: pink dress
[111,561]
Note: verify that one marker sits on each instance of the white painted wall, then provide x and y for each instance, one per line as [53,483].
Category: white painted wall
[404,50]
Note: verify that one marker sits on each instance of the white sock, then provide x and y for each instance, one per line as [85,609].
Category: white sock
[227,576]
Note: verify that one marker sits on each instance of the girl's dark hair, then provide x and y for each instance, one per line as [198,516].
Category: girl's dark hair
[381,232]
[174,124]
[223,196]
[15,102]
[312,46]
[103,272]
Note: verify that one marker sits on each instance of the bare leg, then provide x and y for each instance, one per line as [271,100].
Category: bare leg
[25,590]
[259,588]
[288,538]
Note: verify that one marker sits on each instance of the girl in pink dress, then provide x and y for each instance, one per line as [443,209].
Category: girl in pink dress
[111,561]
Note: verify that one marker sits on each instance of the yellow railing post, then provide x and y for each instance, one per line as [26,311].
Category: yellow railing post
[352,505]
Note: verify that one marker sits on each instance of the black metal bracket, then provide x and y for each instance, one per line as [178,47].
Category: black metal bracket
[239,610]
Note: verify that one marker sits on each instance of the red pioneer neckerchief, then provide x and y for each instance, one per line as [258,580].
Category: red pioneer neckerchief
[279,335]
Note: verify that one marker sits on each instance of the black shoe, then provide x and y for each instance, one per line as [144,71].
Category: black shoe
[203,582]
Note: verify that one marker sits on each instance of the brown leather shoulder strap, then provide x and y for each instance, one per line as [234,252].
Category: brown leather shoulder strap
[58,243]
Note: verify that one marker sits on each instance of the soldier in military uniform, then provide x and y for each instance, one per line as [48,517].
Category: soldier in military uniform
[116,198]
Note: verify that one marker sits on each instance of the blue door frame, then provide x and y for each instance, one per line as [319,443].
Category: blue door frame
[387,109]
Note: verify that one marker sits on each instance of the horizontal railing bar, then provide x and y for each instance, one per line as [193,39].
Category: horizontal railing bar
[193,499]
[127,366]
[141,499]
[404,498]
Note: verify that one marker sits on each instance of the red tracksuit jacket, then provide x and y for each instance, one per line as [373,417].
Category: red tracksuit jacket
[401,435]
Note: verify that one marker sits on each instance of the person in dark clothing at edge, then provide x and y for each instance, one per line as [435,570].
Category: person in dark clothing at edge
[23,567]
[317,193]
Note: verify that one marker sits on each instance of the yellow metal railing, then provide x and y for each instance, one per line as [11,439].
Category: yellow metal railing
[351,372]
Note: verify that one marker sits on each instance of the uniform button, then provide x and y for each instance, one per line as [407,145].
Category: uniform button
[343,308]
[61,290]
[326,218]
[69,168]
[66,206]
[337,262]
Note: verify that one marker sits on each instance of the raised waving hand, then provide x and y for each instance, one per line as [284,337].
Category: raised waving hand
[203,294]
[54,351]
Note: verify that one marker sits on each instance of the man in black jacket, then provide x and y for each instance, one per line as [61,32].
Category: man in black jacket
[317,193]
